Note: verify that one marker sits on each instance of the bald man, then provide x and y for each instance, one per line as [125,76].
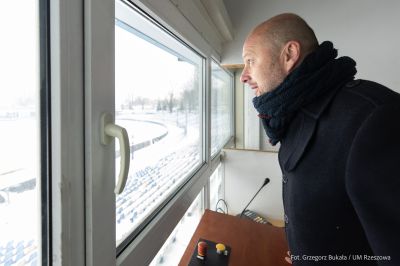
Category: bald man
[340,146]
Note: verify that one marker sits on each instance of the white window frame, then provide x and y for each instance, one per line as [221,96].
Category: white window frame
[151,32]
[229,140]
[145,246]
[67,138]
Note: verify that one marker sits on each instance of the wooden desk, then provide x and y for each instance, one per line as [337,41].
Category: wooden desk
[252,243]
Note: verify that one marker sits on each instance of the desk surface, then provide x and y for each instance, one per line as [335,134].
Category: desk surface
[252,243]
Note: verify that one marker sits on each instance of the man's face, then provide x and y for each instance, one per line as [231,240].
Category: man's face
[262,70]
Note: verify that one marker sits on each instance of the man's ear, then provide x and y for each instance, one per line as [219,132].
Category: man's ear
[291,55]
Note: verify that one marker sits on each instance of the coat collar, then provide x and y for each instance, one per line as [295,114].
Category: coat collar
[301,130]
[315,109]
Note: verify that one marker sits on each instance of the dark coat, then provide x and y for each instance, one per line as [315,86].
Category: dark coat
[340,161]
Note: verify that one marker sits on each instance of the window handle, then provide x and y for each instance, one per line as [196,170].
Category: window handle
[108,131]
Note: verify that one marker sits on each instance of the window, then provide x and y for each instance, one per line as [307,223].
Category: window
[174,247]
[149,76]
[221,107]
[22,136]
[217,196]
[158,100]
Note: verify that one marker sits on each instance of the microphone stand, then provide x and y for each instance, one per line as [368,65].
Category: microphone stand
[266,181]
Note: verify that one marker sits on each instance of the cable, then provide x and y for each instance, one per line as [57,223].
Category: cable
[226,205]
[219,209]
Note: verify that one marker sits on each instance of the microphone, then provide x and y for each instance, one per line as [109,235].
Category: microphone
[266,181]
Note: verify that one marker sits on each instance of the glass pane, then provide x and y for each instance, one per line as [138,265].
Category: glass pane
[171,252]
[19,133]
[158,101]
[221,107]
[217,190]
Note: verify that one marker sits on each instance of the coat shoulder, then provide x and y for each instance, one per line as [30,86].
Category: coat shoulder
[368,91]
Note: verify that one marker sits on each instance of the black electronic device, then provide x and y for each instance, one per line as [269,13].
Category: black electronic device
[254,217]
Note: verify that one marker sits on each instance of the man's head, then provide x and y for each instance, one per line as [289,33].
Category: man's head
[273,49]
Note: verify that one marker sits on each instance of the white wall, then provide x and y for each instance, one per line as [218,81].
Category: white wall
[245,172]
[366,30]
[251,121]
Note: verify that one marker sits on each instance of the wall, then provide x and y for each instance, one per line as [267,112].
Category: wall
[245,172]
[366,30]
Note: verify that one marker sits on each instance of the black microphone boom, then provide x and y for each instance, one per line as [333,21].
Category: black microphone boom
[266,181]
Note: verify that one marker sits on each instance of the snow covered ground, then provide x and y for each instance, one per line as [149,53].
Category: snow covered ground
[19,210]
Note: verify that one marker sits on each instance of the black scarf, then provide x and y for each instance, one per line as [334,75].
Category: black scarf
[319,72]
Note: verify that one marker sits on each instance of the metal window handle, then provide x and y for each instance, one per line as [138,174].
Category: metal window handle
[109,130]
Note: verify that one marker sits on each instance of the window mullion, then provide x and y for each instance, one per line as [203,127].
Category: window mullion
[67,133]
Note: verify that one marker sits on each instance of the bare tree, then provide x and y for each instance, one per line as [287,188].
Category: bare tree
[141,101]
[171,102]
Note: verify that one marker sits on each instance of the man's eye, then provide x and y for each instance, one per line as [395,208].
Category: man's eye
[250,61]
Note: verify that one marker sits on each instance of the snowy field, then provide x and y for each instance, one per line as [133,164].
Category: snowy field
[19,210]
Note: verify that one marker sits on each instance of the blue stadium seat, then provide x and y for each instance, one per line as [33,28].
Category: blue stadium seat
[34,263]
[33,257]
[20,254]
[8,260]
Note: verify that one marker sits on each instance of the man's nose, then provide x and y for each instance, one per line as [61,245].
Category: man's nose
[244,77]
